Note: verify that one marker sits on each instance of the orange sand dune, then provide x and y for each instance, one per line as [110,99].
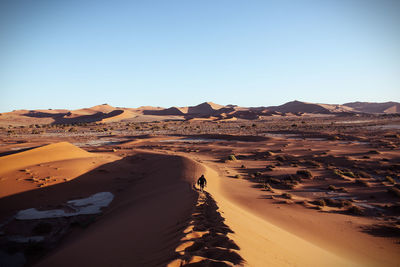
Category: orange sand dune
[266,239]
[46,165]
[105,108]
[126,114]
[52,152]
[265,244]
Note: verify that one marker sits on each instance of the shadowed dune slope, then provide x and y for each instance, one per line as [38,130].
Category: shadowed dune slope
[144,223]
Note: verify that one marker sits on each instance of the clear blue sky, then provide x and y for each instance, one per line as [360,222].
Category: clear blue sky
[73,54]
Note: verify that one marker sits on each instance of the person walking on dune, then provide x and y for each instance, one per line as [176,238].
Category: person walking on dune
[202,182]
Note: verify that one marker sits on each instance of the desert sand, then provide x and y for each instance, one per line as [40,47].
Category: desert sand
[114,192]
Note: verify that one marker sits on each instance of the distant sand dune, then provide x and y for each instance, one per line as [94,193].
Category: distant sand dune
[106,113]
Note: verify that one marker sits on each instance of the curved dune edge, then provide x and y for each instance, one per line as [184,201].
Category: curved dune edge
[126,114]
[47,165]
[264,244]
[47,153]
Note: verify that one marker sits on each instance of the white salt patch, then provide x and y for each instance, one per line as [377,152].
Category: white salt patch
[114,141]
[31,214]
[90,205]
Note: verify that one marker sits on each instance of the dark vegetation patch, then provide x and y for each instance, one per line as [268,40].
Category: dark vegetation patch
[382,230]
[355,210]
[394,191]
[304,174]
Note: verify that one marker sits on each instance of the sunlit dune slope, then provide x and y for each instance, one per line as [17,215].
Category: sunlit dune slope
[52,152]
[45,166]
[125,114]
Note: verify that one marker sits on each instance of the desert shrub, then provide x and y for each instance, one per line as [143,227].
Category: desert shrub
[267,187]
[373,152]
[319,202]
[363,174]
[255,174]
[394,191]
[394,167]
[243,167]
[332,188]
[237,176]
[304,173]
[280,158]
[390,179]
[337,172]
[340,203]
[345,202]
[361,182]
[355,210]
[232,157]
[273,180]
[268,153]
[287,195]
[349,174]
[289,185]
[342,189]
[312,163]
[331,202]
[366,157]
[269,168]
[333,137]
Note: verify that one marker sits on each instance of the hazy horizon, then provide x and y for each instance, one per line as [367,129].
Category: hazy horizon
[181,53]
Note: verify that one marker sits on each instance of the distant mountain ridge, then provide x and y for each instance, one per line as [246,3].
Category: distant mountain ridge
[207,110]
